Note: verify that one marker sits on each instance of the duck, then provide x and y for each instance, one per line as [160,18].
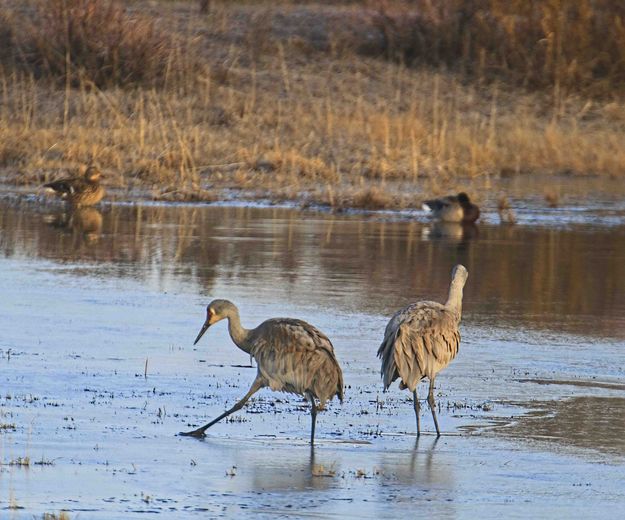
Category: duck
[453,208]
[79,191]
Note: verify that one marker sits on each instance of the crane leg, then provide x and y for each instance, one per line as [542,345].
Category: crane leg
[256,386]
[313,416]
[432,404]
[417,410]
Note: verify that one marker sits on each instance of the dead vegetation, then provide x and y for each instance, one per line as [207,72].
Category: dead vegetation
[319,470]
[26,462]
[92,43]
[61,515]
[562,45]
[372,198]
[281,102]
[19,461]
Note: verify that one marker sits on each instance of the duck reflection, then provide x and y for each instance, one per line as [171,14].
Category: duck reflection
[451,231]
[88,222]
[85,223]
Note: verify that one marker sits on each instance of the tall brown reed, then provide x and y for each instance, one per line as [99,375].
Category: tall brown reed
[564,44]
[97,41]
[267,113]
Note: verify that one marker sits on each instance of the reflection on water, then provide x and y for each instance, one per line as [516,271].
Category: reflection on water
[422,470]
[418,467]
[299,472]
[461,233]
[85,223]
[570,279]
[583,422]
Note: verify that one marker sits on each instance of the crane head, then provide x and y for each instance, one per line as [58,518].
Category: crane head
[459,274]
[214,313]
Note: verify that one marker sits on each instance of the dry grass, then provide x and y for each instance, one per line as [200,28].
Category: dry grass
[278,111]
[560,44]
[19,461]
[99,42]
[26,462]
[372,198]
[61,515]
[319,470]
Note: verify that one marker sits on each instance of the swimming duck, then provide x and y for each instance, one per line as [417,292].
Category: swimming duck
[79,191]
[453,208]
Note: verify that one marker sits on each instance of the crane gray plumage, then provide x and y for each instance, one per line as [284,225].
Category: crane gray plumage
[291,356]
[422,339]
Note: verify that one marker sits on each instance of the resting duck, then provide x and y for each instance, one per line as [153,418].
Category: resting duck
[79,191]
[454,208]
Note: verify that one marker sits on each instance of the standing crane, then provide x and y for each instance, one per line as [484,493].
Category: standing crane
[291,356]
[422,339]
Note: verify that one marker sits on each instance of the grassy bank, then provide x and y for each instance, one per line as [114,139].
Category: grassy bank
[279,101]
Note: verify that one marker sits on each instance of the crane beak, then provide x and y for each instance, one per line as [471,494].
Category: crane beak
[204,329]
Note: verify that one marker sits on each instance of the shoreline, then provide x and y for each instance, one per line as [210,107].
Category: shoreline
[581,199]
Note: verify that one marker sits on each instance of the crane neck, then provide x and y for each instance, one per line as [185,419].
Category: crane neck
[454,300]
[238,333]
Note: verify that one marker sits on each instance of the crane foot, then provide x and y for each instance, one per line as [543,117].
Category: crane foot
[198,434]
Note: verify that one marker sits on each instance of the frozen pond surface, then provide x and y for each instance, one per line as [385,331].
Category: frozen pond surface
[99,310]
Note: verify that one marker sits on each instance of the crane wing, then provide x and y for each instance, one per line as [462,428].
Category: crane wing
[294,356]
[419,341]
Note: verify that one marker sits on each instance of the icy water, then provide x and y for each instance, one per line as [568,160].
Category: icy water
[98,312]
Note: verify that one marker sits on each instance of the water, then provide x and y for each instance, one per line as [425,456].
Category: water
[98,373]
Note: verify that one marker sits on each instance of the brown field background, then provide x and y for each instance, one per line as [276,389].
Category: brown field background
[361,104]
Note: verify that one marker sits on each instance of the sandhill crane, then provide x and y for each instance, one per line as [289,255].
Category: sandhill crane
[79,191]
[422,339]
[453,208]
[291,356]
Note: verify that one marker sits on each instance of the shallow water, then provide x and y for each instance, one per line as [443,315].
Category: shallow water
[98,372]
